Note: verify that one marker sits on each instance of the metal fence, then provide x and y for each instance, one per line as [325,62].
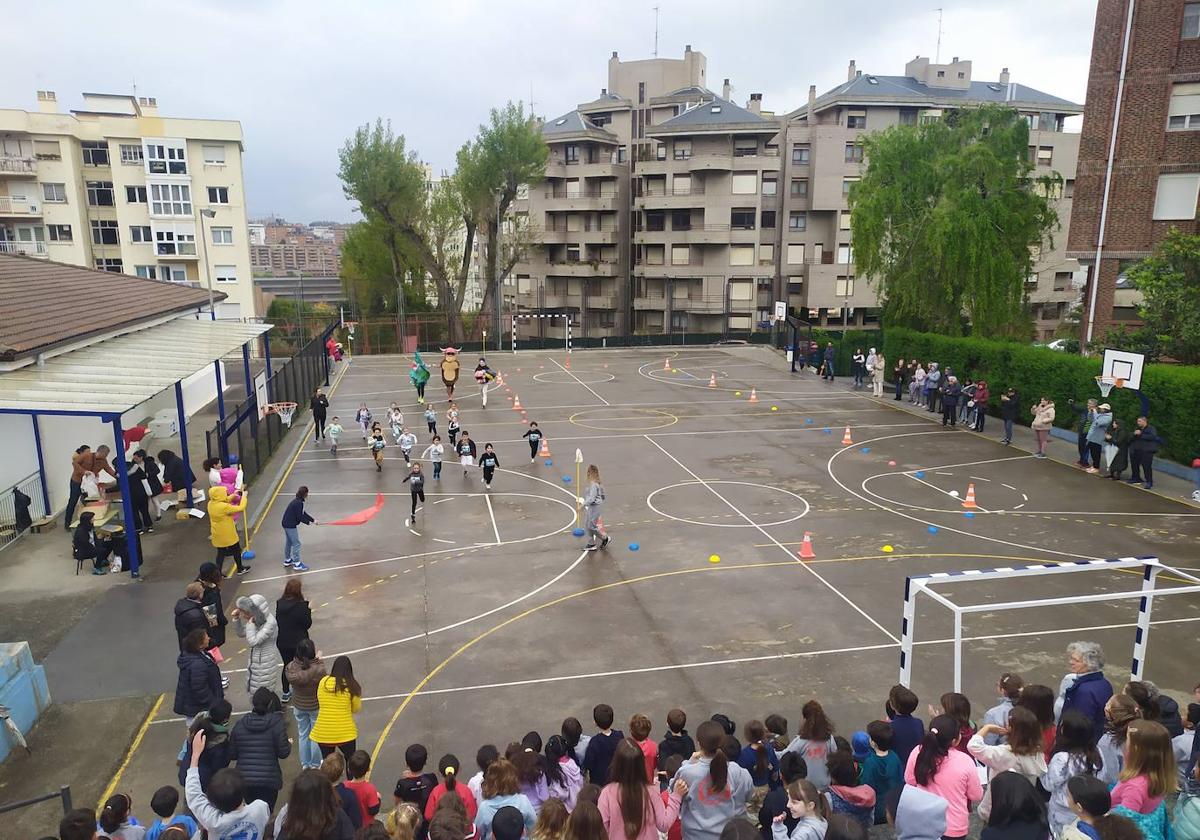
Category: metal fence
[16,515]
[63,794]
[251,440]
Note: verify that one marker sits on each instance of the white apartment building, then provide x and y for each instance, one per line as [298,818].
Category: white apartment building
[117,187]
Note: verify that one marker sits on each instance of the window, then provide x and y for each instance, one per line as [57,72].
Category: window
[854,153]
[654,254]
[681,220]
[571,153]
[146,272]
[795,254]
[135,195]
[172,273]
[768,220]
[656,221]
[681,185]
[844,287]
[941,74]
[47,150]
[225,273]
[660,151]
[745,147]
[95,152]
[1191,20]
[797,220]
[742,218]
[165,159]
[218,195]
[847,185]
[680,255]
[1184,110]
[1176,197]
[740,290]
[962,74]
[741,255]
[844,220]
[908,116]
[1045,155]
[641,93]
[929,115]
[856,119]
[140,233]
[60,233]
[800,152]
[766,255]
[104,232]
[170,200]
[1062,281]
[845,253]
[171,242]
[1069,188]
[682,149]
[745,183]
[100,194]
[54,193]
[770,184]
[222,235]
[214,154]
[131,154]
[799,188]
[109,264]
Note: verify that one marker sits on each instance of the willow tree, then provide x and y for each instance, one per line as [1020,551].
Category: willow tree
[947,219]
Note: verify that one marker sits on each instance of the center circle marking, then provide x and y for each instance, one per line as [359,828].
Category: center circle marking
[651,418]
[568,379]
[742,524]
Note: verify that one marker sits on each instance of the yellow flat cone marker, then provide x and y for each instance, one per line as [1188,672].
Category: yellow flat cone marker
[887,549]
[774,408]
[715,558]
[737,393]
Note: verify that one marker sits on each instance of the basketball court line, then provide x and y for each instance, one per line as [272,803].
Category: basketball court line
[577,379]
[492,513]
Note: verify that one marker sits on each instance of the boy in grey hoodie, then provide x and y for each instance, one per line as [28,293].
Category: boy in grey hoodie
[916,814]
[226,816]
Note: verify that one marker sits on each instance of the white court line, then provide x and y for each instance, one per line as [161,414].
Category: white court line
[492,514]
[439,539]
[935,487]
[977,478]
[580,381]
[764,532]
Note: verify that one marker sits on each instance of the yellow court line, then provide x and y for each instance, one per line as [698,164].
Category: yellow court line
[137,742]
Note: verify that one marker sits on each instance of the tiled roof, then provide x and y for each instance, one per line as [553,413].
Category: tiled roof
[44,303]
[715,112]
[572,122]
[868,88]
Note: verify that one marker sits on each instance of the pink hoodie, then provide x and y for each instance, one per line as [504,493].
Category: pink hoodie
[660,818]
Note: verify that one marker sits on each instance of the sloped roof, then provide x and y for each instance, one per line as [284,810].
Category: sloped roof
[573,122]
[714,113]
[692,90]
[45,303]
[868,88]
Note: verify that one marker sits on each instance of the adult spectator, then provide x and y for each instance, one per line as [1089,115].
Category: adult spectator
[319,404]
[877,373]
[950,394]
[257,743]
[253,621]
[294,617]
[1096,435]
[140,493]
[1117,441]
[222,528]
[1085,689]
[1083,424]
[1010,410]
[981,397]
[214,606]
[1146,442]
[303,673]
[1043,421]
[827,364]
[175,472]
[85,461]
[189,611]
[85,546]
[199,684]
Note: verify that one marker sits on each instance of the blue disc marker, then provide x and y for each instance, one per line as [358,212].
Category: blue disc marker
[248,554]
[578,532]
[865,450]
[807,419]
[549,463]
[933,529]
[566,479]
[919,473]
[634,546]
[969,514]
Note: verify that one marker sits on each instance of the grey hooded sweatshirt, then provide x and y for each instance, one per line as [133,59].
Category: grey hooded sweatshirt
[705,812]
[920,815]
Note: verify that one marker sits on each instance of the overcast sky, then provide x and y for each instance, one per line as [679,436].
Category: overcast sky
[301,74]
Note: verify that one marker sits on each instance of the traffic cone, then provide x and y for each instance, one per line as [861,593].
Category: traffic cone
[969,502]
[806,550]
[545,453]
[712,380]
[753,396]
[846,439]
[517,404]
[667,365]
[568,364]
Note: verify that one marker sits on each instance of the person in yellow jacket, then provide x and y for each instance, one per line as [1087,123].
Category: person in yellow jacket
[339,698]
[223,530]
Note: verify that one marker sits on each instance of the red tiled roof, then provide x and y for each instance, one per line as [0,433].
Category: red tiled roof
[44,303]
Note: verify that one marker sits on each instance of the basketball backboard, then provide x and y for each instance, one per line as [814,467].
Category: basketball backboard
[1124,366]
[260,393]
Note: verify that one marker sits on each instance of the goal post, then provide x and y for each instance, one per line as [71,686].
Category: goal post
[1151,568]
[532,316]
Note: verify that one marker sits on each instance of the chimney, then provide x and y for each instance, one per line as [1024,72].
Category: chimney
[614,53]
[954,60]
[726,90]
[754,106]
[850,74]
[603,92]
[812,99]
[687,49]
[1004,76]
[47,102]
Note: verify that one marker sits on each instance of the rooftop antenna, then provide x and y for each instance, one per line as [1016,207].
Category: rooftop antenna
[656,31]
[531,102]
[937,56]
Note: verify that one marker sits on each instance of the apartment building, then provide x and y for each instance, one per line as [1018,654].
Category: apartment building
[732,208]
[289,258]
[1156,160]
[117,187]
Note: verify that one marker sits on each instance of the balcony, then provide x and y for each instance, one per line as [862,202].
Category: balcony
[561,200]
[668,271]
[29,249]
[21,207]
[600,302]
[607,169]
[22,166]
[672,199]
[587,236]
[712,162]
[582,268]
[651,302]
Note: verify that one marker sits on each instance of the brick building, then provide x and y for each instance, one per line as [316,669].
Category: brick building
[1156,163]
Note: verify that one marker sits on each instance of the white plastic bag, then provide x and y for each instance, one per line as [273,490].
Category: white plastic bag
[89,486]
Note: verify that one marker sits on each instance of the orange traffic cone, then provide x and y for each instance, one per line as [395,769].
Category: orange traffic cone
[846,439]
[806,550]
[712,380]
[517,403]
[753,396]
[969,502]
[545,453]
[568,364]
[667,365]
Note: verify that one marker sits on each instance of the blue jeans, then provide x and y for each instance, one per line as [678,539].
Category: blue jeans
[1008,429]
[291,546]
[310,753]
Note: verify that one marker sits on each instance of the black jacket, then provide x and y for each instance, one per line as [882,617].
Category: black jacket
[1146,442]
[294,619]
[294,515]
[256,743]
[1169,716]
[153,474]
[1010,409]
[319,405]
[175,471]
[774,804]
[212,598]
[189,616]
[343,828]
[81,543]
[199,684]
[215,757]
[681,745]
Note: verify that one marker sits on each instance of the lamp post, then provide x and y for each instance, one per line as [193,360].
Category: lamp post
[208,213]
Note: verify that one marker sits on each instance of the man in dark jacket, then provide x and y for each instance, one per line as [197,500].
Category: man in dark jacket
[1083,425]
[257,743]
[189,612]
[319,405]
[1141,452]
[1010,410]
[293,517]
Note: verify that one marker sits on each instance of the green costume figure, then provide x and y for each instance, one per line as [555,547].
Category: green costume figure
[419,375]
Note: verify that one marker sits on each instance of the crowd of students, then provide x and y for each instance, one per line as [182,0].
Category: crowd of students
[1079,763]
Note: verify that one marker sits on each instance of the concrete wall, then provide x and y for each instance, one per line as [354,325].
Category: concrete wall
[23,689]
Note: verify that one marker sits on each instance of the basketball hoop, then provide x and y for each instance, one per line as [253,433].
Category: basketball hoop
[350,325]
[1107,383]
[285,410]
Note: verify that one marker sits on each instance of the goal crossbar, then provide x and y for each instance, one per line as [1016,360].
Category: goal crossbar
[530,316]
[1151,568]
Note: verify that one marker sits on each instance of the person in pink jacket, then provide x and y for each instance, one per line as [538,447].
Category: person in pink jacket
[937,767]
[632,809]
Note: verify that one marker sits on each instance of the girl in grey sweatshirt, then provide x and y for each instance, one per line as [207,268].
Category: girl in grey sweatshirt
[808,806]
[592,502]
[717,788]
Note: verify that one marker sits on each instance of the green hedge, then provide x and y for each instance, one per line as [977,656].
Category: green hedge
[844,345]
[1173,390]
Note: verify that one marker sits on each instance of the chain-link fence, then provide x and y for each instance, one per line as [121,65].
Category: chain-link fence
[20,506]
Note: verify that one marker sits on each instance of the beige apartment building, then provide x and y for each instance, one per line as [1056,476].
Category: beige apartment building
[669,208]
[117,187]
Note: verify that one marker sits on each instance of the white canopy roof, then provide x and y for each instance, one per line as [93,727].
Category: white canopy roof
[117,374]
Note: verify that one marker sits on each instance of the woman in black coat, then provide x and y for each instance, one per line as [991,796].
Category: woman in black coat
[212,579]
[175,472]
[199,684]
[85,546]
[139,494]
[319,404]
[294,617]
[257,742]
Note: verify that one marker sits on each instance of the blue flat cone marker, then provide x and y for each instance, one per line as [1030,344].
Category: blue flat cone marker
[827,430]
[807,419]
[549,463]
[566,479]
[248,554]
[865,450]
[634,546]
[933,529]
[969,514]
[919,473]
[578,532]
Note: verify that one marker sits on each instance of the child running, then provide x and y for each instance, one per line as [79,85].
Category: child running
[535,437]
[592,502]
[431,419]
[396,421]
[363,418]
[417,479]
[434,453]
[452,423]
[407,441]
[334,431]
[489,462]
[466,452]
[377,445]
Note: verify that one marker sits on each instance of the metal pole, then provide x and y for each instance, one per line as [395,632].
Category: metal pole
[37,442]
[267,355]
[958,650]
[249,385]
[183,444]
[1149,575]
[222,444]
[212,307]
[126,502]
[65,793]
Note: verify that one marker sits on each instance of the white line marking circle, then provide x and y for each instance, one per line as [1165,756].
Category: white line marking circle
[545,378]
[799,498]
